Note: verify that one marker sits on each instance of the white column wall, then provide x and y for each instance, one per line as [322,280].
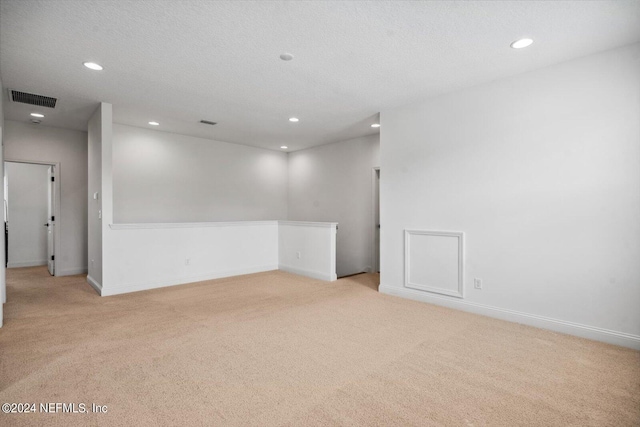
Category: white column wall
[308,248]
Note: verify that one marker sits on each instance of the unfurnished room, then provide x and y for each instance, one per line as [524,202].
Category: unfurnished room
[320,213]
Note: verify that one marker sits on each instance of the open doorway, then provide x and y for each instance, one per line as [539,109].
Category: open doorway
[31,214]
[376,219]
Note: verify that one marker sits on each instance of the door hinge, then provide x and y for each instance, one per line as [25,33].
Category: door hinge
[53,218]
[53,178]
[53,257]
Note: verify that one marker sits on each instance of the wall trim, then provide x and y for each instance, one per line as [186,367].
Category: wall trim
[309,224]
[591,332]
[143,286]
[72,271]
[309,273]
[146,226]
[94,284]
[459,235]
[33,263]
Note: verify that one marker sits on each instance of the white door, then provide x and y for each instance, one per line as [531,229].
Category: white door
[376,215]
[51,219]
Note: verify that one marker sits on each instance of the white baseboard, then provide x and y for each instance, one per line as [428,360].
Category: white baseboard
[66,272]
[94,284]
[32,263]
[71,271]
[144,286]
[584,331]
[309,273]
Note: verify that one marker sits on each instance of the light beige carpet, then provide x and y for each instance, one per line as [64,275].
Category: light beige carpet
[279,349]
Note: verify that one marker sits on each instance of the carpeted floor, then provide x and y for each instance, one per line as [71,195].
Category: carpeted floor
[279,349]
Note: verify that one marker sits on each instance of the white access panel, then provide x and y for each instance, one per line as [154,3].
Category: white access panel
[434,261]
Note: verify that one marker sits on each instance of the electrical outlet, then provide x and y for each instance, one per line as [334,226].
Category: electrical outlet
[477,283]
[187,261]
[298,255]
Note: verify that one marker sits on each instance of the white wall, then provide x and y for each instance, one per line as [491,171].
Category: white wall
[308,249]
[187,183]
[29,142]
[541,171]
[27,213]
[165,177]
[3,293]
[147,256]
[94,198]
[1,105]
[334,183]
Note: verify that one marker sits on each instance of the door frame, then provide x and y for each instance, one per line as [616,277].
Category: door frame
[56,200]
[375,249]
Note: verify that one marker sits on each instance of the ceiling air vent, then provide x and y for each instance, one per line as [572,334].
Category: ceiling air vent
[30,98]
[207,122]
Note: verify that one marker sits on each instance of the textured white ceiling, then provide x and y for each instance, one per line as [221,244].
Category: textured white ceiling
[177,62]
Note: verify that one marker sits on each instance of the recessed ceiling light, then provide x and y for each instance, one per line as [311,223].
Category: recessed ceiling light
[37,115]
[93,66]
[375,125]
[154,123]
[294,119]
[519,44]
[284,147]
[286,56]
